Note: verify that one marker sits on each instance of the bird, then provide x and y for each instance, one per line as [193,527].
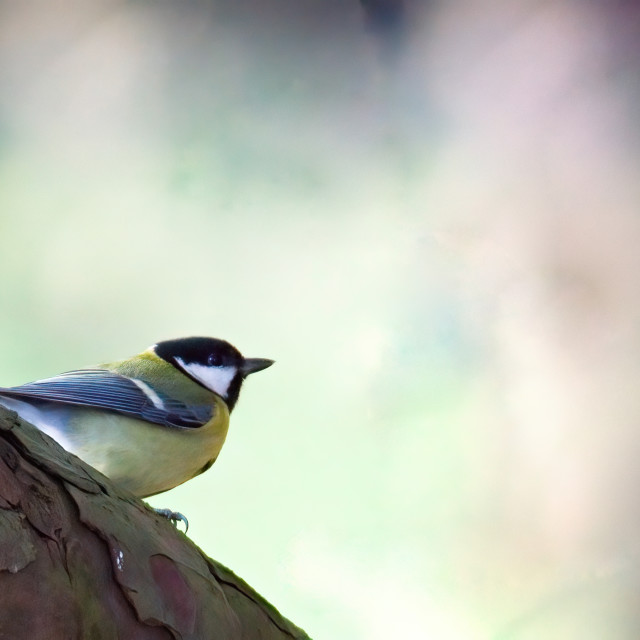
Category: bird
[150,422]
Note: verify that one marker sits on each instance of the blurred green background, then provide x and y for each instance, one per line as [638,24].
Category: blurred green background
[433,231]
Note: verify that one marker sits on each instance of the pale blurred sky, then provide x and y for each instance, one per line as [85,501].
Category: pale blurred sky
[437,242]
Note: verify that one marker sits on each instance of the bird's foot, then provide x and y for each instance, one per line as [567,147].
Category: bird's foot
[174,517]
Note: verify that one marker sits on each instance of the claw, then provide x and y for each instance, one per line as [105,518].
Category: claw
[174,517]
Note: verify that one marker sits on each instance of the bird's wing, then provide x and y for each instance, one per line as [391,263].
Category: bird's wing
[103,389]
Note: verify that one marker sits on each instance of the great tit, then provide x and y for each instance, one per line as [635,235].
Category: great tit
[150,422]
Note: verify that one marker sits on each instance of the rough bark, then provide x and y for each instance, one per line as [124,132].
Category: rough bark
[81,559]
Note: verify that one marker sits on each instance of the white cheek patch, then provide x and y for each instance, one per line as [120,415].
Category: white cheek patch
[217,379]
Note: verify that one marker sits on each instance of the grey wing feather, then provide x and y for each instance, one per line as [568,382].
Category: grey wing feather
[103,389]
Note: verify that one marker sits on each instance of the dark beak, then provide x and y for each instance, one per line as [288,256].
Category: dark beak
[251,365]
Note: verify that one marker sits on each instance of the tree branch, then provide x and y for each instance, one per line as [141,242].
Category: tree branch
[81,559]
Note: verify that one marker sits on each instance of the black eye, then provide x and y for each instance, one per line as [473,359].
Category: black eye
[214,360]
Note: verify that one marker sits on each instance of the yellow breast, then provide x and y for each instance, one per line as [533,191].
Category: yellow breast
[146,458]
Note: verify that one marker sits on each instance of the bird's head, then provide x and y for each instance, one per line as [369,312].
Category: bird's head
[214,364]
